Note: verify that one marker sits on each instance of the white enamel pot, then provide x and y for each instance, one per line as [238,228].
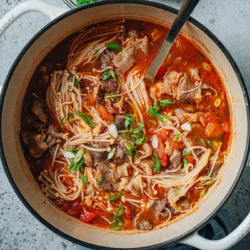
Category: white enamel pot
[66,22]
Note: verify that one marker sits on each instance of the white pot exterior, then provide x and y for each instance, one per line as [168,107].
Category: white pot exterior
[18,170]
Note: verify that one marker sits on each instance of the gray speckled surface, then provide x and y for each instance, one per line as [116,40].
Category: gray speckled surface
[228,20]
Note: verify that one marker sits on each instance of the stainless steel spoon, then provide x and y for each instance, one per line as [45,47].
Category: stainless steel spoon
[183,15]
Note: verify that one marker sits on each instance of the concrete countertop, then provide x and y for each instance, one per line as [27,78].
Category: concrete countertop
[228,20]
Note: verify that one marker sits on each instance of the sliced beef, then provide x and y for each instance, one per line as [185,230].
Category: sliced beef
[183,203]
[185,85]
[126,58]
[107,57]
[190,117]
[51,141]
[122,171]
[120,155]
[110,86]
[55,132]
[134,186]
[168,149]
[148,166]
[217,166]
[38,109]
[35,142]
[175,159]
[120,122]
[88,158]
[109,172]
[30,121]
[170,82]
[99,96]
[99,157]
[123,183]
[149,217]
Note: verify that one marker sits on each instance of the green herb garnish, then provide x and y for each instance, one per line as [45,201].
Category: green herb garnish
[185,161]
[129,117]
[82,2]
[114,46]
[176,137]
[140,125]
[101,180]
[115,228]
[70,115]
[129,152]
[202,141]
[114,197]
[188,152]
[119,211]
[86,119]
[84,179]
[156,162]
[111,153]
[210,143]
[128,126]
[203,192]
[164,103]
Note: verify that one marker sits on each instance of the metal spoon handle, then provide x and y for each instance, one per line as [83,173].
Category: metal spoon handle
[183,14]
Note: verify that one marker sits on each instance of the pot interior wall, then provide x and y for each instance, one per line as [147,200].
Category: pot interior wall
[11,119]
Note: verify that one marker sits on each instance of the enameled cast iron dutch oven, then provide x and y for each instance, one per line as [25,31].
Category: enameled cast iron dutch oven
[66,22]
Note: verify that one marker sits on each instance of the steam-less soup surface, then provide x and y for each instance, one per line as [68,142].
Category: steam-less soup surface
[113,150]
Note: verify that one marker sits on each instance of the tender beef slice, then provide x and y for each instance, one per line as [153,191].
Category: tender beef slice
[120,155]
[110,86]
[150,215]
[30,121]
[107,57]
[171,80]
[134,186]
[185,116]
[148,166]
[35,142]
[183,203]
[123,183]
[109,172]
[55,132]
[38,109]
[120,122]
[185,85]
[217,166]
[175,159]
[125,59]
[100,97]
[88,158]
[99,157]
[122,171]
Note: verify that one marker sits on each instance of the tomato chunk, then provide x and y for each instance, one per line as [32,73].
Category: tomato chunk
[88,216]
[161,152]
[213,130]
[225,127]
[128,211]
[73,208]
[190,159]
[104,114]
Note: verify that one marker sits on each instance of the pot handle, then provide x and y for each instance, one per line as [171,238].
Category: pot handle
[30,6]
[238,234]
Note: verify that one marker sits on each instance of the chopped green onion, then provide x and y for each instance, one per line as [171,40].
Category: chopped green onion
[199,58]
[156,162]
[78,156]
[210,143]
[115,228]
[203,192]
[84,179]
[117,220]
[113,98]
[208,183]
[86,119]
[129,151]
[188,152]
[119,211]
[164,103]
[114,46]
[154,122]
[132,139]
[153,112]
[128,126]
[142,141]
[129,117]
[114,197]
[123,135]
[72,150]
[72,166]
[176,137]
[79,165]
[111,153]
[115,75]
[139,124]
[70,115]
[185,161]
[101,180]
[106,75]
[136,131]
[202,141]
[130,145]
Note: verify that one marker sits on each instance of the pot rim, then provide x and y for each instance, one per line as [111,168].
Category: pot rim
[104,3]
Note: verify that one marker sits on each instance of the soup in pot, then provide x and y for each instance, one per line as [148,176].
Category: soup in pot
[113,150]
